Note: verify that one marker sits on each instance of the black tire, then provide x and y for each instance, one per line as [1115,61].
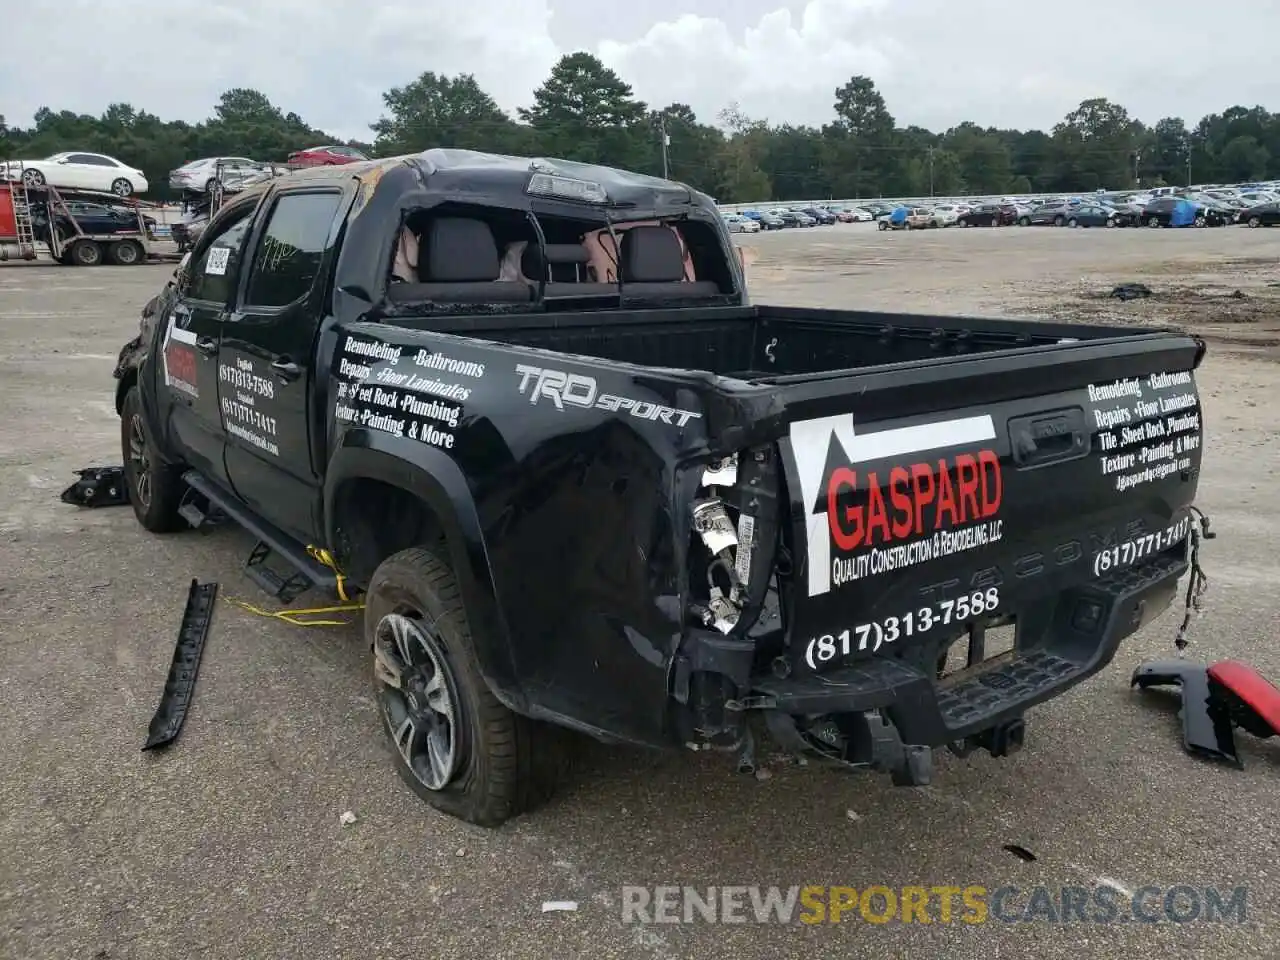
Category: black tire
[884,225]
[126,253]
[155,489]
[1073,223]
[1024,221]
[1255,222]
[121,187]
[84,253]
[1199,221]
[500,763]
[1057,221]
[1153,223]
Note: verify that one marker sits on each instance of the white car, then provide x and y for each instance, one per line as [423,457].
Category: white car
[79,171]
[946,214]
[740,224]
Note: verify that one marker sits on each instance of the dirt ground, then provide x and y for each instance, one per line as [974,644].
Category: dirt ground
[230,844]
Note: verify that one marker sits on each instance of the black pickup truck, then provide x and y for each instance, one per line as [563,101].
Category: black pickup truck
[526,408]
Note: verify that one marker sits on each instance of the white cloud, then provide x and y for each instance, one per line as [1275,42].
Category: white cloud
[937,62]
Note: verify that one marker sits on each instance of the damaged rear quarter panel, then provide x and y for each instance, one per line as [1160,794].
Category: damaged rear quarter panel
[573,466]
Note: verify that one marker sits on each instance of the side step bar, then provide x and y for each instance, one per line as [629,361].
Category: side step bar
[305,572]
[181,681]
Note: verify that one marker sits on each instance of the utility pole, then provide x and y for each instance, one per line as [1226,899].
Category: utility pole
[666,142]
[931,171]
[1188,169]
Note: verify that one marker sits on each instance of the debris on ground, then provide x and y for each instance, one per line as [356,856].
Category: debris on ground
[559,906]
[853,815]
[347,818]
[98,487]
[1131,291]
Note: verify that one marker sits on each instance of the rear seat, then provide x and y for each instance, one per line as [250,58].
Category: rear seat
[652,264]
[458,263]
[565,267]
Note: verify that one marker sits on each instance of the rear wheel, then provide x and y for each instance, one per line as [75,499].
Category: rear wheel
[884,225]
[155,488]
[1153,222]
[1255,222]
[1073,223]
[1199,221]
[454,743]
[1111,222]
[121,187]
[1057,221]
[85,253]
[32,178]
[126,252]
[1024,222]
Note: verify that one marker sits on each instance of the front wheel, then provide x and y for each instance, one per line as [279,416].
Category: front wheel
[1153,222]
[883,225]
[1024,222]
[85,253]
[1111,222]
[1073,223]
[453,742]
[1255,222]
[1057,221]
[121,187]
[155,488]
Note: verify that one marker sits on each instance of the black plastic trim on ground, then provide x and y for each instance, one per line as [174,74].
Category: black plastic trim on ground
[181,682]
[98,487]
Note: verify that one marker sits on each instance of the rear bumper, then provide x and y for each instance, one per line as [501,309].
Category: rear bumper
[1058,646]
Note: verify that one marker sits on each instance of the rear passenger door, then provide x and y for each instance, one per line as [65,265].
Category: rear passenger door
[266,362]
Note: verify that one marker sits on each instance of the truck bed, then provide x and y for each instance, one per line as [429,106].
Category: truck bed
[764,344]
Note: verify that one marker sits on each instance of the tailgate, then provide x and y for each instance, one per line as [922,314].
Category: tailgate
[971,490]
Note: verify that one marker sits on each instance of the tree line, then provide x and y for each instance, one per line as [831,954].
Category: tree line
[585,111]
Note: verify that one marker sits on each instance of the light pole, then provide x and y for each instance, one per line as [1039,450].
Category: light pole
[666,142]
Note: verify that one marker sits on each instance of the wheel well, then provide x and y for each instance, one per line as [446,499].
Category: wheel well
[374,519]
[127,382]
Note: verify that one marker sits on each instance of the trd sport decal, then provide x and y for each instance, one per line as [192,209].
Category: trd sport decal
[907,508]
[180,359]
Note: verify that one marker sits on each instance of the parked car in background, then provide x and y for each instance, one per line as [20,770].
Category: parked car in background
[1262,215]
[988,215]
[1254,197]
[326,156]
[1053,214]
[740,224]
[1175,211]
[1096,215]
[908,218]
[945,215]
[768,221]
[854,215]
[824,217]
[79,171]
[788,218]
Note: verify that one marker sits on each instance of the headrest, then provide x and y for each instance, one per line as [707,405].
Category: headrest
[457,250]
[533,264]
[651,255]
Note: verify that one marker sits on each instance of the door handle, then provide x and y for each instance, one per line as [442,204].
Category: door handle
[285,368]
[207,345]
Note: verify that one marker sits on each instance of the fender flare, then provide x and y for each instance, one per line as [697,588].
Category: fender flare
[432,476]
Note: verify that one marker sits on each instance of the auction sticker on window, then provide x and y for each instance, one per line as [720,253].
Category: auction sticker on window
[885,500]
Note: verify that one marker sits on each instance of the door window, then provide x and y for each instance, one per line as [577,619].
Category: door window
[291,253]
[213,273]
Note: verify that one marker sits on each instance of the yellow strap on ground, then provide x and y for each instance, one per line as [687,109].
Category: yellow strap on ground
[321,555]
[300,618]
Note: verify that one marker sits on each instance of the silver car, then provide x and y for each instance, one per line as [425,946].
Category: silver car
[198,176]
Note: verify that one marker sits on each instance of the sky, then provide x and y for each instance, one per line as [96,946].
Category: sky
[938,62]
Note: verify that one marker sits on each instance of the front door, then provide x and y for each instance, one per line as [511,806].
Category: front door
[188,388]
[266,363]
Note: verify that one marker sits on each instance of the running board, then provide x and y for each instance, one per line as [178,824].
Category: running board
[304,572]
[181,681]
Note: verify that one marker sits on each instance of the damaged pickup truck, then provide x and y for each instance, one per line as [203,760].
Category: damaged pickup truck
[528,410]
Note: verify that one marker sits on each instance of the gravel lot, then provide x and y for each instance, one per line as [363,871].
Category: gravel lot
[230,845]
